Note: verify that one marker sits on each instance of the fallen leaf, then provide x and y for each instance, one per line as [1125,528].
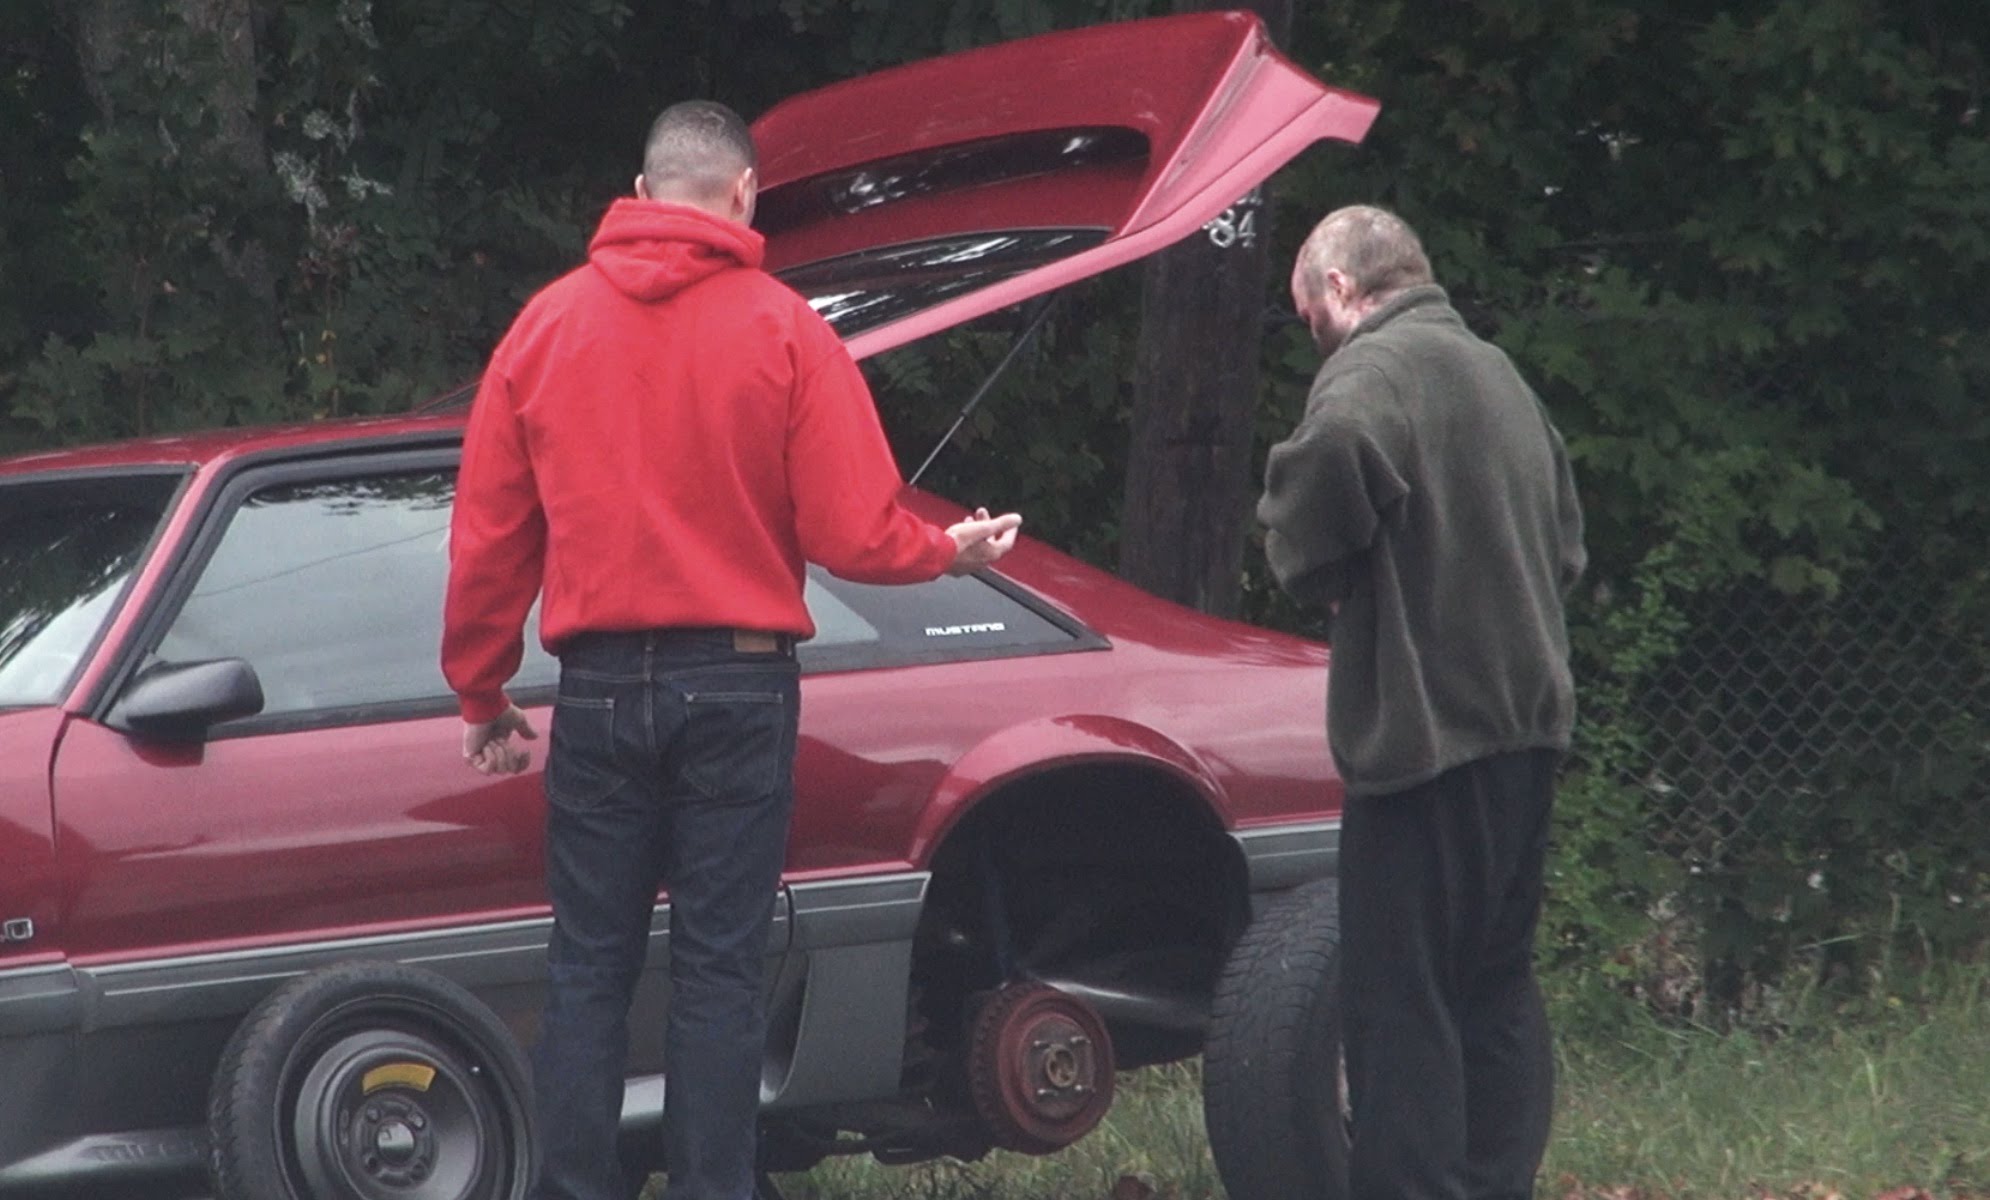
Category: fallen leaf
[1133,1187]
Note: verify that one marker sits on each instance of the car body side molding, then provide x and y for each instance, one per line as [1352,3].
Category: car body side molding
[1284,856]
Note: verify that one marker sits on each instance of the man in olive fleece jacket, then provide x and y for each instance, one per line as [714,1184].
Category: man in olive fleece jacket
[1425,499]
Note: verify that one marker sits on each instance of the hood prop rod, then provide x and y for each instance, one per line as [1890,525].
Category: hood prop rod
[1029,331]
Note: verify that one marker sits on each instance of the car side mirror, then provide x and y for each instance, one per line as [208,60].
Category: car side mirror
[179,702]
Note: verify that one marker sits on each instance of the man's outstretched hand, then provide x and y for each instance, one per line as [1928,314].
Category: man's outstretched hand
[488,747]
[981,539]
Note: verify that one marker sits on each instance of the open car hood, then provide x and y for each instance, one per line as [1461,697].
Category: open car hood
[910,200]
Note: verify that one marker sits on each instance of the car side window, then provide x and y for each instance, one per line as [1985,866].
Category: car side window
[332,591]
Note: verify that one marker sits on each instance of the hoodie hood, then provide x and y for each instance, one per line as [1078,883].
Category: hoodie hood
[651,250]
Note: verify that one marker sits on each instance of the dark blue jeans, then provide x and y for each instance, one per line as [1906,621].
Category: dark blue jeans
[672,763]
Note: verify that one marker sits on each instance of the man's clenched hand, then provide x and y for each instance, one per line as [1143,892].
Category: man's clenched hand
[488,747]
[981,539]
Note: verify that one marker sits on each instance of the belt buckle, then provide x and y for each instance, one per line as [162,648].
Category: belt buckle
[754,641]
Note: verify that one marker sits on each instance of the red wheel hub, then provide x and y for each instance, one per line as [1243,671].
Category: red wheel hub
[1041,1068]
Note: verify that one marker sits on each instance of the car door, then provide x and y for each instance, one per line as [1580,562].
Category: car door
[69,544]
[340,820]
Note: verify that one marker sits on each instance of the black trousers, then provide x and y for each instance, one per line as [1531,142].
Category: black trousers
[1450,1070]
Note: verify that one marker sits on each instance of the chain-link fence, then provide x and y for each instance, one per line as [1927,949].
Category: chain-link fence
[1831,746]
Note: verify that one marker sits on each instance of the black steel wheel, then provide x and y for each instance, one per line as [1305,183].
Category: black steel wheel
[370,1081]
[1273,1085]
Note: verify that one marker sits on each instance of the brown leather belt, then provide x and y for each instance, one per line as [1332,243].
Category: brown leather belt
[742,641]
[756,641]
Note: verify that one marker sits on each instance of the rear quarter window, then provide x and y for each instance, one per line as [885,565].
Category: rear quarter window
[948,619]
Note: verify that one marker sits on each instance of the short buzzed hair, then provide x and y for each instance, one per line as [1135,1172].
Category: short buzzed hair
[1371,246]
[697,147]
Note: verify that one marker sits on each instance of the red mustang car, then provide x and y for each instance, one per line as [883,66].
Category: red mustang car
[257,919]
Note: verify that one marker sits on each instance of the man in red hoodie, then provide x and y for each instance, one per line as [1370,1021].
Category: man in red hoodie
[662,441]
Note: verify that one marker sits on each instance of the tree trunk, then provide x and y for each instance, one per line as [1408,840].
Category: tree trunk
[1189,489]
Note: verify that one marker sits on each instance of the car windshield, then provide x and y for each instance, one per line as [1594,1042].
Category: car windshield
[67,547]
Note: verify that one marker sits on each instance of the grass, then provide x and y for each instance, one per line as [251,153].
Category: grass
[1890,1104]
[1154,1132]
[1901,1102]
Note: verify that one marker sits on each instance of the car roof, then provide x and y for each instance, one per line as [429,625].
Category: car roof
[213,447]
[209,446]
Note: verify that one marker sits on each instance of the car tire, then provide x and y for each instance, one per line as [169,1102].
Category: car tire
[368,1080]
[1272,1085]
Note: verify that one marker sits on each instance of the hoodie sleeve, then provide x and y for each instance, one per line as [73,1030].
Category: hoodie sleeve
[845,484]
[1331,484]
[497,547]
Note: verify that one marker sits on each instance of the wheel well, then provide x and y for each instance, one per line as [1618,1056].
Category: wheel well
[1114,878]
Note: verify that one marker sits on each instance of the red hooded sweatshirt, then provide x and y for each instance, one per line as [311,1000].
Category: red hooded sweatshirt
[662,439]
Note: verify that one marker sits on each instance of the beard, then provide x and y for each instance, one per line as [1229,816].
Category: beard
[1326,335]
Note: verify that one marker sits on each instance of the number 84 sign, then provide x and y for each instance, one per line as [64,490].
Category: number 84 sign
[1237,225]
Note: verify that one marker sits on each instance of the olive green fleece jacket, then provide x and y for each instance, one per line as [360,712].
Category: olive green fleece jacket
[1426,498]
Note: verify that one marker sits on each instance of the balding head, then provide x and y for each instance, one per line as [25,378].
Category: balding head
[1371,246]
[700,153]
[1353,262]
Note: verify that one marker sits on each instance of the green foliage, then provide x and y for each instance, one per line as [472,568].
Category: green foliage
[434,192]
[869,34]
[42,111]
[1048,438]
[407,195]
[168,224]
[1603,881]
